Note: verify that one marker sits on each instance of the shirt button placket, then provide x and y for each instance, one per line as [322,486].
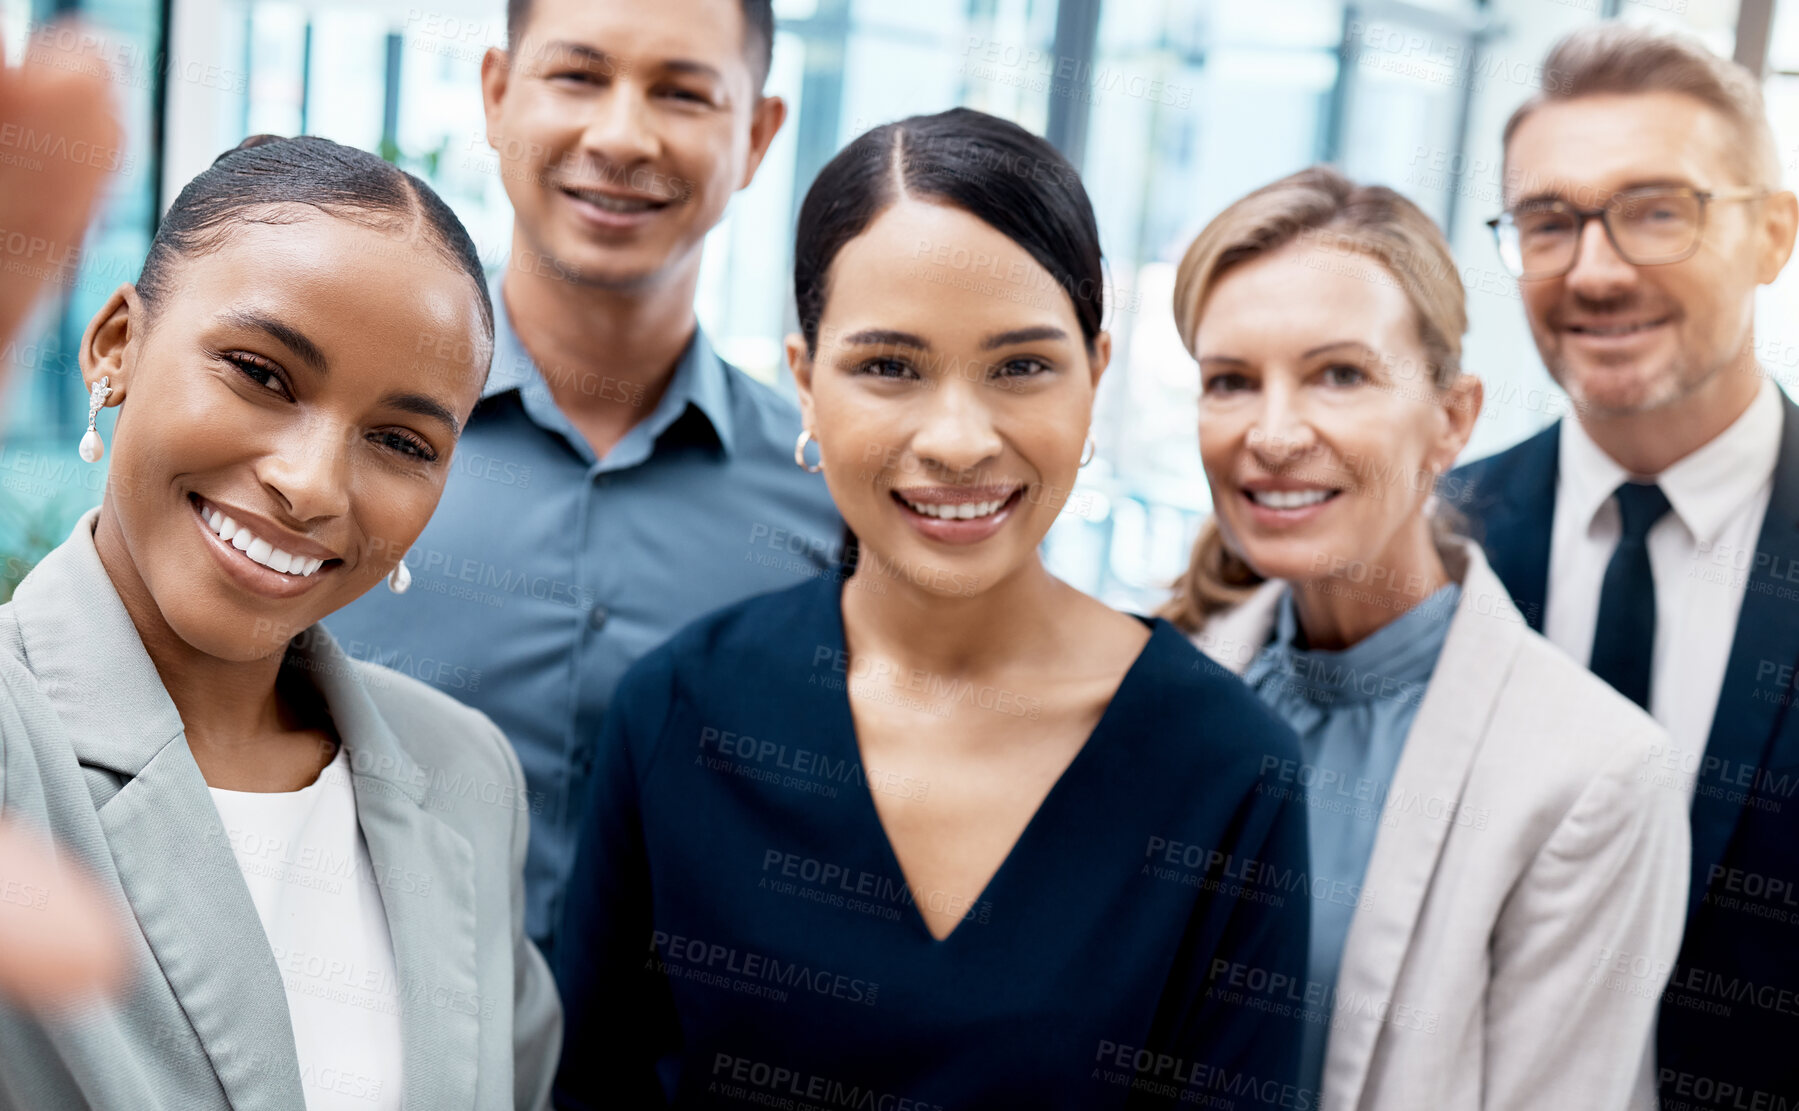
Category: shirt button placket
[596,612]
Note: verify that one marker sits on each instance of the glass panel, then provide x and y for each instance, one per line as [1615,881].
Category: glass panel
[1783,40]
[1714,21]
[745,283]
[896,61]
[347,82]
[1204,101]
[1405,94]
[1777,305]
[277,85]
[1188,105]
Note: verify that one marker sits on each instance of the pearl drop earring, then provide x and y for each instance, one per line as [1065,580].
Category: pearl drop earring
[92,448]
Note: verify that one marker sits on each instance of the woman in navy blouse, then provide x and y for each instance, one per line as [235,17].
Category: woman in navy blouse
[937,830]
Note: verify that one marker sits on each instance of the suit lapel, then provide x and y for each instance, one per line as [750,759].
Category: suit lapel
[1233,638]
[1484,636]
[1515,507]
[178,871]
[168,844]
[425,872]
[1758,681]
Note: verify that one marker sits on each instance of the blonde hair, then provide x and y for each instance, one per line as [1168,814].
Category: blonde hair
[1321,207]
[1628,59]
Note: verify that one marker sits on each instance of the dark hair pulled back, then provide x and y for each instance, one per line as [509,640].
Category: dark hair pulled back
[265,176]
[993,169]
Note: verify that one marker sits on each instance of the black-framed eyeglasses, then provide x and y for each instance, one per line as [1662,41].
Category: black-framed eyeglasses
[1648,226]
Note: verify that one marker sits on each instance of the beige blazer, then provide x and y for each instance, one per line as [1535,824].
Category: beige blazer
[1524,902]
[93,750]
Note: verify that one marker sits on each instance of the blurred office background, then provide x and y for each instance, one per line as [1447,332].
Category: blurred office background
[1170,108]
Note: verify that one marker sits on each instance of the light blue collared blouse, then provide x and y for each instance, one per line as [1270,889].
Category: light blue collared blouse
[1352,710]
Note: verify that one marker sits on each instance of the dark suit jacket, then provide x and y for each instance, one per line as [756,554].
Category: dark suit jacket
[1729,1026]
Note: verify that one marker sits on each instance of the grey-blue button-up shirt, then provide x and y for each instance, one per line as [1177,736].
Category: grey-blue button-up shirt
[547,571]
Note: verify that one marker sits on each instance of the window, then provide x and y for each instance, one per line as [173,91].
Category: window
[1171,108]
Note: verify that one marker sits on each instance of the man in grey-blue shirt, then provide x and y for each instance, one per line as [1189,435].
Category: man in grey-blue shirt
[617,479]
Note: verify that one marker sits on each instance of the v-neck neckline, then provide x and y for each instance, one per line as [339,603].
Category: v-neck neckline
[845,733]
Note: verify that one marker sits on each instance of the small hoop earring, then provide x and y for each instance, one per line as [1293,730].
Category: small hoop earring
[799,454]
[1088,450]
[92,448]
[399,578]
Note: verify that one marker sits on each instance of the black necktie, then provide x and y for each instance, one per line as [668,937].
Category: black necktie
[1624,640]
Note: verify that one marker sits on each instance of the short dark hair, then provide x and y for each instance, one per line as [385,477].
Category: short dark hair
[758,33]
[992,169]
[266,172]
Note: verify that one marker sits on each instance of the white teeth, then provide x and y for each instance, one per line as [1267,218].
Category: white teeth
[1289,499]
[625,205]
[959,511]
[258,549]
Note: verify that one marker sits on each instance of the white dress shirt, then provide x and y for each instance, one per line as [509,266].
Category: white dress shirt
[303,856]
[1701,555]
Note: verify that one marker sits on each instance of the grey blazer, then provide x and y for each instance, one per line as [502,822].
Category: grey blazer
[1524,902]
[93,750]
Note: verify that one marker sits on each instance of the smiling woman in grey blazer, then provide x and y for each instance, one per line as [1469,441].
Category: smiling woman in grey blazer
[320,860]
[1498,883]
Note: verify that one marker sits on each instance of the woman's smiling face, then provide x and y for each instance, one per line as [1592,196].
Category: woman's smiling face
[950,422]
[1321,427]
[307,380]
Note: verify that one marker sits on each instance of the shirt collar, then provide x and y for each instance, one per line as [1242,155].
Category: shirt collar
[701,381]
[1707,488]
[1389,662]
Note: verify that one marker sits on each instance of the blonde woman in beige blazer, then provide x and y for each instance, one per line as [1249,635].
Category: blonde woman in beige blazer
[1498,879]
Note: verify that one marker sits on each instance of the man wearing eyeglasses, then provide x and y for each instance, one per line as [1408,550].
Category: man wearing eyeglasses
[1656,536]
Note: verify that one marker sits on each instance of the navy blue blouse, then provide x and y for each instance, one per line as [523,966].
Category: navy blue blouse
[739,932]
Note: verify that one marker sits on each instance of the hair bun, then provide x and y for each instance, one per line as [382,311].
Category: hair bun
[252,141]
